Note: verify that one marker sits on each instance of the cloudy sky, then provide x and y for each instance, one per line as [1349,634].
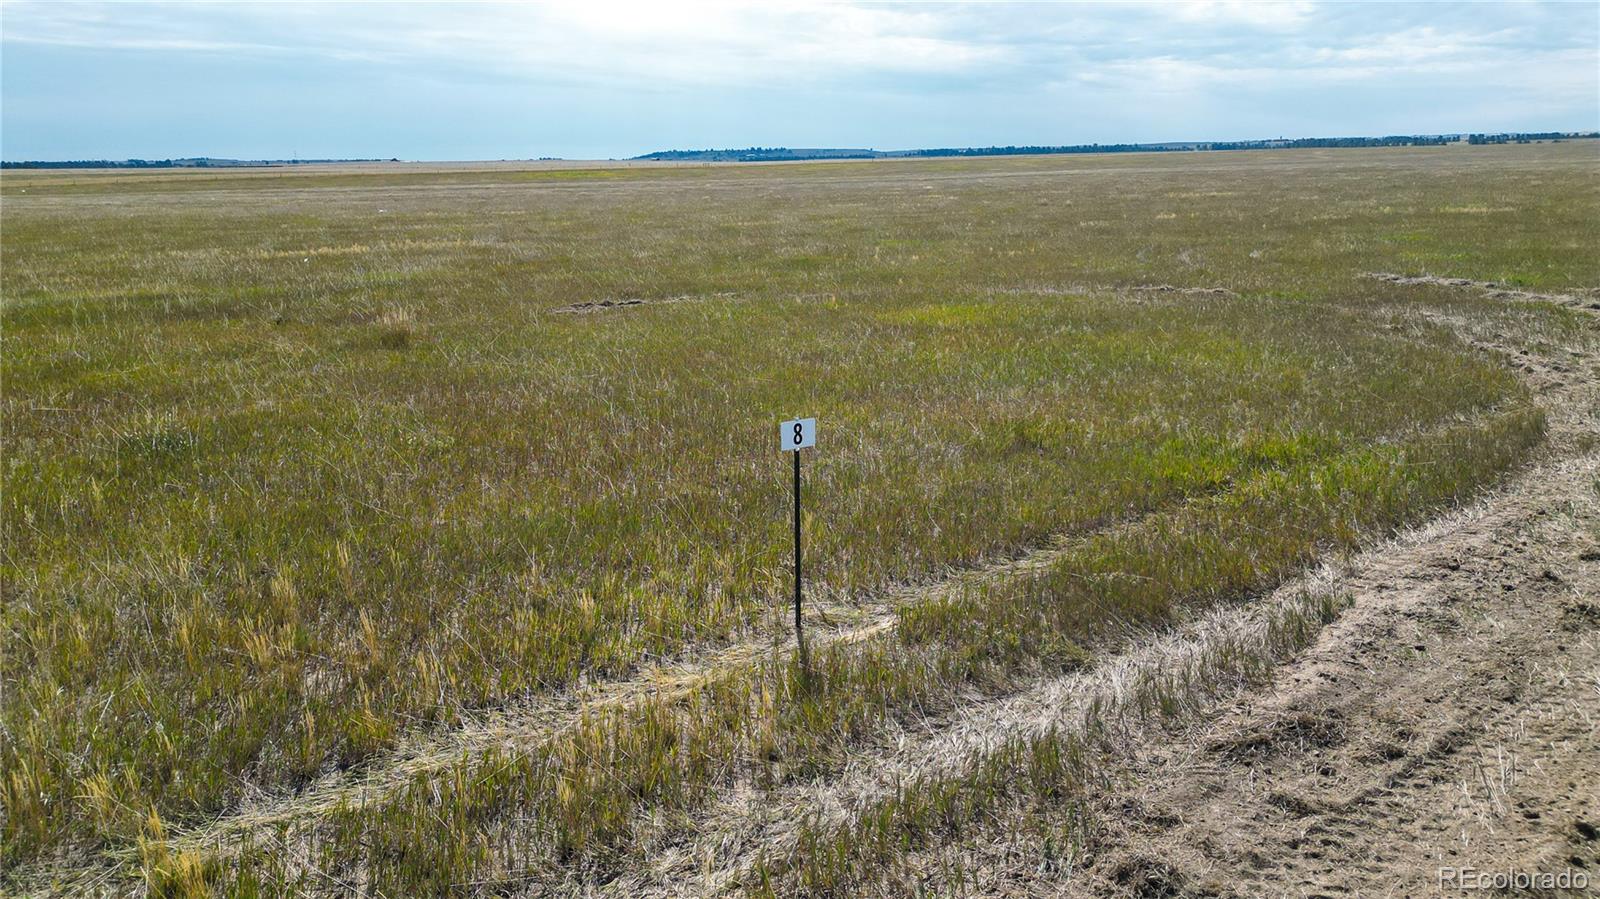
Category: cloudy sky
[602,79]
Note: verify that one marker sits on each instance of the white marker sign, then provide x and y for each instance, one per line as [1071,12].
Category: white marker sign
[797,434]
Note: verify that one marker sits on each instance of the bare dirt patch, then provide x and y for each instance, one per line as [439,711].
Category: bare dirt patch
[1588,298]
[598,306]
[611,305]
[1192,291]
[1447,720]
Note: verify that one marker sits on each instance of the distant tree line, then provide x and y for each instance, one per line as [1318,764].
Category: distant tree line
[1040,151]
[1307,143]
[759,154]
[787,154]
[188,163]
[93,164]
[1528,137]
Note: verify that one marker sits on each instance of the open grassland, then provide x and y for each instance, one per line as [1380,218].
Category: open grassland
[310,477]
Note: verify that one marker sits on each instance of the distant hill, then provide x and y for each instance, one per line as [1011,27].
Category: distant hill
[795,154]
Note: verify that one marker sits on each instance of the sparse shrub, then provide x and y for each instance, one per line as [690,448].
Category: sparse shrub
[396,328]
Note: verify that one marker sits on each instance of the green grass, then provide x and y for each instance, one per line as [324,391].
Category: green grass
[298,464]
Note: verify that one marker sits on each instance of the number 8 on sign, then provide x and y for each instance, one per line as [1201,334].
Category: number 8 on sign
[797,434]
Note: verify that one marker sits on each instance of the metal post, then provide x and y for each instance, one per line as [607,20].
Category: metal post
[799,634]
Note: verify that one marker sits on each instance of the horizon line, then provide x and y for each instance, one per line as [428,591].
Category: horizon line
[243,162]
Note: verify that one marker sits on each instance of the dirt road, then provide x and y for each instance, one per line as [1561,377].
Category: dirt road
[1443,731]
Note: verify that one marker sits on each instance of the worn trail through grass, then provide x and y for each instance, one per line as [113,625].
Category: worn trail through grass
[745,826]
[1588,299]
[528,725]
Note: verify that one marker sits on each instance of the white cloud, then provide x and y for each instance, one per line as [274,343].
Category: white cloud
[693,43]
[715,41]
[1281,15]
[621,73]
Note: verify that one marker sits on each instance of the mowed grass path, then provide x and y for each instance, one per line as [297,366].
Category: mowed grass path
[296,464]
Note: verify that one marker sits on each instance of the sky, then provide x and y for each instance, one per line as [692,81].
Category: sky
[600,79]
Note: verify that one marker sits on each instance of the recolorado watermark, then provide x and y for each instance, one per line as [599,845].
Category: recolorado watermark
[1478,879]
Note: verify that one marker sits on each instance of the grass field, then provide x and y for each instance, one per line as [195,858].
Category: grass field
[304,471]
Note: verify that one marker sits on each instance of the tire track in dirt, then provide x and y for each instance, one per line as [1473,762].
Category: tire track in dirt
[528,726]
[746,824]
[1587,299]
[1447,720]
